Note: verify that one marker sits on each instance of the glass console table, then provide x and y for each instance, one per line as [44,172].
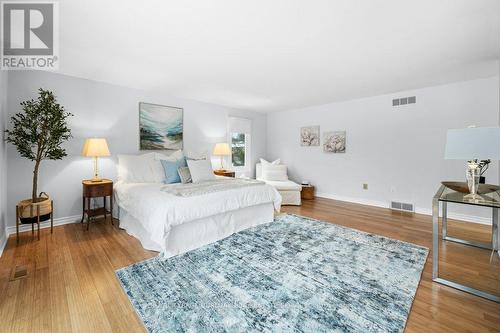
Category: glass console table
[445,195]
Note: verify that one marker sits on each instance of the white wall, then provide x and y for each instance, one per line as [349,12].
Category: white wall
[398,151]
[3,160]
[109,111]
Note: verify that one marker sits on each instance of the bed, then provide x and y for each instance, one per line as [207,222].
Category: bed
[172,224]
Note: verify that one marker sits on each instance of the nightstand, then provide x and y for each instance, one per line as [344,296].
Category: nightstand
[307,192]
[225,173]
[101,189]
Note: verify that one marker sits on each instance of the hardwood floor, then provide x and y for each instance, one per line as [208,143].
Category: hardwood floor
[71,286]
[436,308]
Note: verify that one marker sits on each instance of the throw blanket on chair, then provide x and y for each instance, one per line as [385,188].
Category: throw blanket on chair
[209,186]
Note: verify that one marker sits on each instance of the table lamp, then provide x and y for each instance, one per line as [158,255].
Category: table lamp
[221,149]
[478,146]
[95,147]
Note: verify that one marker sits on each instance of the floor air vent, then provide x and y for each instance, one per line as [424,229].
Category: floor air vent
[401,206]
[19,272]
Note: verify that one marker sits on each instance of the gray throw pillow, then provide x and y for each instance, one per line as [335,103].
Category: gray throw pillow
[184,174]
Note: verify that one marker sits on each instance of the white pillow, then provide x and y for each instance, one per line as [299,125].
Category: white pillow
[196,155]
[200,170]
[274,172]
[176,155]
[137,168]
[275,162]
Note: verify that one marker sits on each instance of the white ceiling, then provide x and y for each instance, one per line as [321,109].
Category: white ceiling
[269,55]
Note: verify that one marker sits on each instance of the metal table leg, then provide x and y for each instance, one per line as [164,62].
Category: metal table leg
[444,220]
[495,231]
[435,240]
[467,289]
[435,251]
[481,245]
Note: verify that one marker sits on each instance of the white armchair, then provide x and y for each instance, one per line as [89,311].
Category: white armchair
[290,191]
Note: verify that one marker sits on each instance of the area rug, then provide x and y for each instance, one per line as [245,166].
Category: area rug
[293,274]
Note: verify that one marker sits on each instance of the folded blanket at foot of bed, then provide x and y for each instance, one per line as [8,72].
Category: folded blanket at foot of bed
[209,186]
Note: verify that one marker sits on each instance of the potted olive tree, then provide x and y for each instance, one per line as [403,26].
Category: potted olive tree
[38,132]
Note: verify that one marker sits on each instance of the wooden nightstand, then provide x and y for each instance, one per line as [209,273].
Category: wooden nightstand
[100,189]
[225,173]
[307,192]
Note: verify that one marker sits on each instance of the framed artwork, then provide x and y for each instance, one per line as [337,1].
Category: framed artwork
[160,127]
[309,136]
[334,142]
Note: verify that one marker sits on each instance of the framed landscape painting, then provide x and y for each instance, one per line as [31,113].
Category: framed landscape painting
[160,127]
[334,142]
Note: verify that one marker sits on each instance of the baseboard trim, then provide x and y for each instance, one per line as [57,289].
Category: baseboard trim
[59,221]
[418,210]
[456,216]
[381,204]
[360,201]
[3,241]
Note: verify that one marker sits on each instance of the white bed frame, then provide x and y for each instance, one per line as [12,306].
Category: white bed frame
[194,234]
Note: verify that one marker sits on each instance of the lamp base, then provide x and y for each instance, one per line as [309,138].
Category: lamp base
[96,178]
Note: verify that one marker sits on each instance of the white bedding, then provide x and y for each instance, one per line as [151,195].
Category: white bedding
[159,211]
[192,235]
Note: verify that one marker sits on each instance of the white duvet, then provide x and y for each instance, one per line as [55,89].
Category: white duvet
[159,211]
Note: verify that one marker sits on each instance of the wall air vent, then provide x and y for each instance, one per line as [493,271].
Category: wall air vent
[404,101]
[402,206]
[395,205]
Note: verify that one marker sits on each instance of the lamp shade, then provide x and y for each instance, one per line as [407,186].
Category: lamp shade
[482,143]
[95,147]
[222,149]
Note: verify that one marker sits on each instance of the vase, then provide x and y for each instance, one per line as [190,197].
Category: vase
[473,174]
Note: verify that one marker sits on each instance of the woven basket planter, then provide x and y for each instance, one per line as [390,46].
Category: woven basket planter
[28,211]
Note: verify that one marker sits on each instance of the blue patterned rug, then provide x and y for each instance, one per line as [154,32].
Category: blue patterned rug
[294,274]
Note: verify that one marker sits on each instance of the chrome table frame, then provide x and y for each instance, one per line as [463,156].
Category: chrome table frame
[435,243]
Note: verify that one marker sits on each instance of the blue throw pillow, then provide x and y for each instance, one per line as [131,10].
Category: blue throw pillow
[170,168]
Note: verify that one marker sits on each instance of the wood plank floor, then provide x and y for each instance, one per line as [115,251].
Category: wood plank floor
[71,286]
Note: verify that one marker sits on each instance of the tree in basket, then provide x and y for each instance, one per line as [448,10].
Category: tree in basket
[38,133]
